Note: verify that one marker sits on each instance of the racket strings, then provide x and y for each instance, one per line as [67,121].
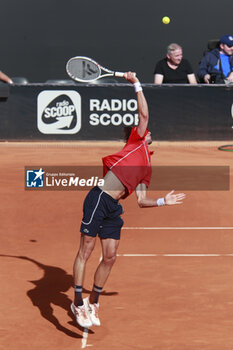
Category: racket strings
[83,70]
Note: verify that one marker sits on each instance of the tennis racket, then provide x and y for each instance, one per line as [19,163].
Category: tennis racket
[84,69]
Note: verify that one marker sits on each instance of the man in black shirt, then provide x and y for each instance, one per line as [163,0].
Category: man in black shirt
[174,69]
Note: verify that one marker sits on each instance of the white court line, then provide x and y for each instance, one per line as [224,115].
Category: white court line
[138,255]
[179,228]
[174,255]
[84,338]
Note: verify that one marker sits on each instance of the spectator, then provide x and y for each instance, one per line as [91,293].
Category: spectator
[174,69]
[5,78]
[217,65]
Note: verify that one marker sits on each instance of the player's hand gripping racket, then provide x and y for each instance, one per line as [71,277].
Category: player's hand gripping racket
[84,69]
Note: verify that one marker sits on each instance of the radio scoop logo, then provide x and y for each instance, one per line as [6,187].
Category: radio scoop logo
[59,112]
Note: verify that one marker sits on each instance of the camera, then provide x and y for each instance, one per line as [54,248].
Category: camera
[213,79]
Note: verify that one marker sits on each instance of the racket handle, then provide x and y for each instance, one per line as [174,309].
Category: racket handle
[119,74]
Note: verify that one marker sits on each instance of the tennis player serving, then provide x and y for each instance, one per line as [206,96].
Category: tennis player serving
[124,172]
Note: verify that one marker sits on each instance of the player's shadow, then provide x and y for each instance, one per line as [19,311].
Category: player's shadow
[50,289]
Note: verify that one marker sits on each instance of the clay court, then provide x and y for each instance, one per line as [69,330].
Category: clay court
[171,287]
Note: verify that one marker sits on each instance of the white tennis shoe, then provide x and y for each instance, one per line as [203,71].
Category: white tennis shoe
[93,310]
[82,315]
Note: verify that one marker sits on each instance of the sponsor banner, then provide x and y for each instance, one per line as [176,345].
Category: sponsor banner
[99,112]
[113,112]
[59,112]
[164,178]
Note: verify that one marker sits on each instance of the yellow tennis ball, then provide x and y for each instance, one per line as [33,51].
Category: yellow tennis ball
[166,20]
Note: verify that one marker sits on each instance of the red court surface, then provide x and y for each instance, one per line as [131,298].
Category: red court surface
[171,287]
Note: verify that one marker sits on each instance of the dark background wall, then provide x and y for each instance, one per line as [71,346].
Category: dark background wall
[38,37]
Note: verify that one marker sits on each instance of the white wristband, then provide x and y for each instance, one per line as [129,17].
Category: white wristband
[160,202]
[137,86]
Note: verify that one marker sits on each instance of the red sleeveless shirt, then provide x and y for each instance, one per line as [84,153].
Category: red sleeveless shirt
[132,165]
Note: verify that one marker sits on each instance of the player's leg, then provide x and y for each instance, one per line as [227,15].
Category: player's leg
[92,218]
[87,244]
[78,308]
[109,234]
[109,252]
[90,225]
[108,223]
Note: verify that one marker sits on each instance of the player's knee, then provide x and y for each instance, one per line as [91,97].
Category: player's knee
[85,253]
[86,249]
[110,259]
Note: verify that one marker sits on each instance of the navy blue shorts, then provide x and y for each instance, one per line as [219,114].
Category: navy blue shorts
[101,215]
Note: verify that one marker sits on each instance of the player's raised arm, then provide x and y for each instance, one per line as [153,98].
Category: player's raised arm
[143,112]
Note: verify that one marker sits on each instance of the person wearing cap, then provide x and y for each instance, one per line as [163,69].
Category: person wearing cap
[217,65]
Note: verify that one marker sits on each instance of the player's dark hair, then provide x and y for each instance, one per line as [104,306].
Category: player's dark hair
[126,132]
